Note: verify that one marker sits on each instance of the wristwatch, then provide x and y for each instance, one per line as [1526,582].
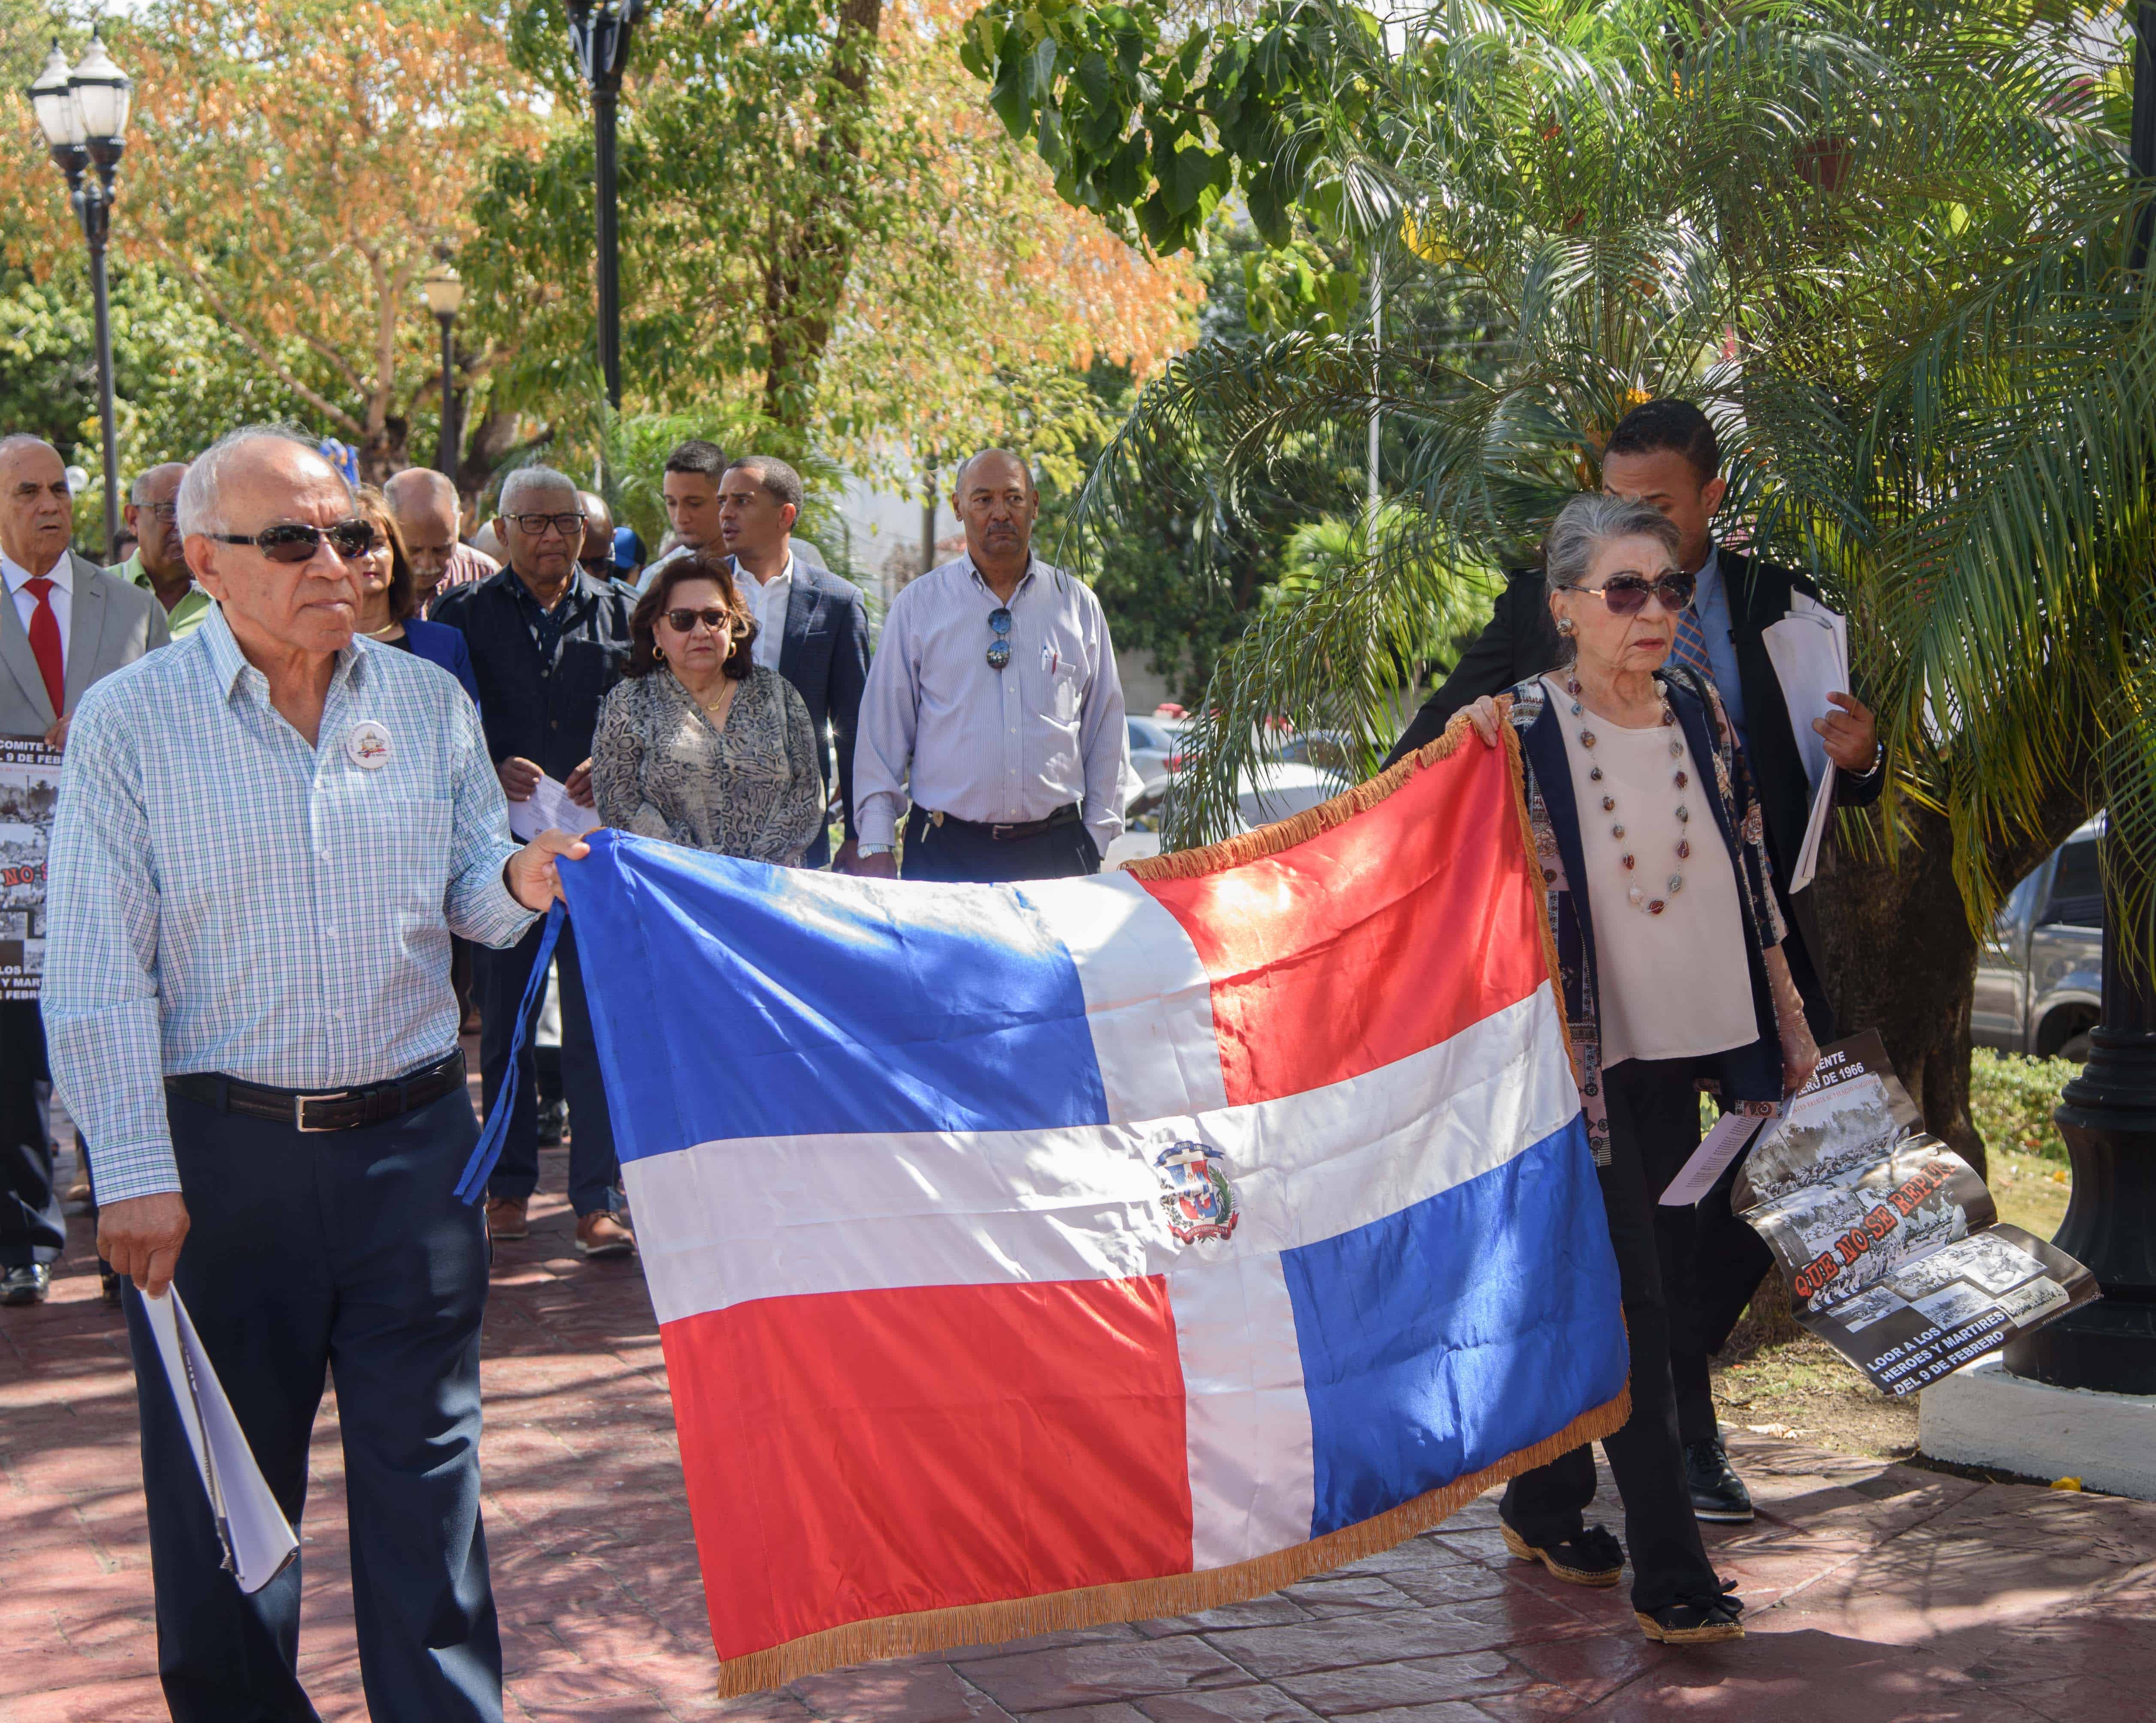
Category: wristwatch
[872,850]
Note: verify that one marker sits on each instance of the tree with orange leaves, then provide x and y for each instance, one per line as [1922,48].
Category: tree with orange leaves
[297,163]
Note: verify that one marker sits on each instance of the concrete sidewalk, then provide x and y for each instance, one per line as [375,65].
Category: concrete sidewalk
[1875,1591]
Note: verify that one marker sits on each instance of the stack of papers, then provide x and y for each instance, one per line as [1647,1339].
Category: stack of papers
[1809,650]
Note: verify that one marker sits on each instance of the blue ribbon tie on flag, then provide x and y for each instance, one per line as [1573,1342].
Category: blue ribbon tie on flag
[480,1168]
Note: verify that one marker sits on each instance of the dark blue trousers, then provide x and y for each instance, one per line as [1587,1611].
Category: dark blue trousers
[501,977]
[32,1229]
[343,1252]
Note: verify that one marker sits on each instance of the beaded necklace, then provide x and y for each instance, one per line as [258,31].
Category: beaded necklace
[1634,893]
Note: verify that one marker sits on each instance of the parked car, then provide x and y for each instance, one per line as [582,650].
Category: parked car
[2040,976]
[1264,795]
[1156,751]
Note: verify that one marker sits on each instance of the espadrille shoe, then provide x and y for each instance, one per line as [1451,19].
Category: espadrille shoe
[1693,1623]
[1593,1558]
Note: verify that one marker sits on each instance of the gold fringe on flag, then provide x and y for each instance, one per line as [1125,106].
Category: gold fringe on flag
[1188,1593]
[1149,1599]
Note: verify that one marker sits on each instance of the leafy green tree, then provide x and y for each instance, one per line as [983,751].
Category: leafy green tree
[818,225]
[1887,246]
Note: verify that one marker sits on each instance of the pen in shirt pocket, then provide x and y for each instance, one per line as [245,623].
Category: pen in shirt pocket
[1051,660]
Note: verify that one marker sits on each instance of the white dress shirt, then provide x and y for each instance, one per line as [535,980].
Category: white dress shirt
[767,600]
[991,745]
[61,597]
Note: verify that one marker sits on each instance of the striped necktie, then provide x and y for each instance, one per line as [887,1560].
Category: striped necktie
[1689,648]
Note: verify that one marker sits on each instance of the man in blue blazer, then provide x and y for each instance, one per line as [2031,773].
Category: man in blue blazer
[812,626]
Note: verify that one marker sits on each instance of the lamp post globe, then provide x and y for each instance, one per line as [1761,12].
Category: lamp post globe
[444,291]
[83,111]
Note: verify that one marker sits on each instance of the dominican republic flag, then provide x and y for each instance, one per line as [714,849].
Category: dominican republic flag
[1031,1256]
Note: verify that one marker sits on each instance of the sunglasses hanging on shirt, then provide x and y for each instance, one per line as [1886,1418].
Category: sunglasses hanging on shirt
[999,619]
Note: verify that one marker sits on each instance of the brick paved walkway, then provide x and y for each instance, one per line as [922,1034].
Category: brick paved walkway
[1875,1591]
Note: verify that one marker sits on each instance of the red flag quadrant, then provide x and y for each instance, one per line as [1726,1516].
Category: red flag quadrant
[1033,1256]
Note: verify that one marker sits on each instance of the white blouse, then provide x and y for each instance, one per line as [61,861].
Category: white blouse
[1674,985]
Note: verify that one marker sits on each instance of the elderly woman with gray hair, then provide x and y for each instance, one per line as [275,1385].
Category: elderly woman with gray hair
[1661,902]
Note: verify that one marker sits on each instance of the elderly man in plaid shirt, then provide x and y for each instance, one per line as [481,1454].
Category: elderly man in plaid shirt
[266,836]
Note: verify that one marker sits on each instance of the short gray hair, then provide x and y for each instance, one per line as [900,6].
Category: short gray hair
[1589,521]
[416,485]
[142,478]
[199,502]
[24,440]
[524,478]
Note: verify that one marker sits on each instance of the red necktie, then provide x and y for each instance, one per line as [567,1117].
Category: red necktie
[45,642]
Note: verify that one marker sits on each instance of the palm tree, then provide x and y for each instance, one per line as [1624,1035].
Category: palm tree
[1886,248]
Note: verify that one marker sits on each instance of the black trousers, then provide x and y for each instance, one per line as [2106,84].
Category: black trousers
[954,853]
[344,1252]
[32,1228]
[502,976]
[1729,1261]
[1654,1125]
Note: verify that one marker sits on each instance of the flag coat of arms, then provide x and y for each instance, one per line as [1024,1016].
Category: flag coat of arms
[1031,1256]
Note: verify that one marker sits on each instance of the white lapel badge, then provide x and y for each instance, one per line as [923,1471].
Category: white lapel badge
[368,745]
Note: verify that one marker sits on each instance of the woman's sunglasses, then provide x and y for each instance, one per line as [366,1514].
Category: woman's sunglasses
[683,620]
[1626,594]
[295,541]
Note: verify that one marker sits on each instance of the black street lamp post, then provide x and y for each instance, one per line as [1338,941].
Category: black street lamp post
[599,32]
[445,297]
[83,114]
[2108,1114]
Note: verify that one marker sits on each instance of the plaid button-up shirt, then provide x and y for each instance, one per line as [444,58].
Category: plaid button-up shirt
[224,898]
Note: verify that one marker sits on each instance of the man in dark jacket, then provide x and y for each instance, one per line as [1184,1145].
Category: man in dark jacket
[1665,453]
[547,642]
[812,626]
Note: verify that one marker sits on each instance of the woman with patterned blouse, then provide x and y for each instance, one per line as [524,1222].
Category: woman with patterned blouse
[1663,918]
[702,745]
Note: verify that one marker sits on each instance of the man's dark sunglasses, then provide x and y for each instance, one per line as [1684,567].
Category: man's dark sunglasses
[999,619]
[295,541]
[599,567]
[682,621]
[1626,594]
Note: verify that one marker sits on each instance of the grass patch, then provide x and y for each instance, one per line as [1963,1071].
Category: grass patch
[2010,1097]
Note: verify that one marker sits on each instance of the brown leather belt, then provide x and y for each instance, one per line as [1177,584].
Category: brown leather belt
[324,1110]
[1067,815]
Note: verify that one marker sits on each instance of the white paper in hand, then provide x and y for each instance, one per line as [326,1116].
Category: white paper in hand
[1732,1136]
[257,1539]
[1809,651]
[549,809]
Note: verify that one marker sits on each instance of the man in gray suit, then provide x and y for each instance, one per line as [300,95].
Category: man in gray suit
[66,622]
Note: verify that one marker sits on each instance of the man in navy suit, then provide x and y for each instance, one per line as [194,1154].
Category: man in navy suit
[812,626]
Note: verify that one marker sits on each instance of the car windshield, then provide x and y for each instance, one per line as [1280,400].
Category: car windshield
[2077,886]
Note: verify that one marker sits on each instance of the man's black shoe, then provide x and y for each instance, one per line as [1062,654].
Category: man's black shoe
[1592,1558]
[25,1285]
[1718,1493]
[553,1121]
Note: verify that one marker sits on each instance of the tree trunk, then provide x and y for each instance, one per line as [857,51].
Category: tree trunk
[805,279]
[1900,959]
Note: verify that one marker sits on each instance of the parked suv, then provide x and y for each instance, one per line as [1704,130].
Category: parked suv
[2040,977]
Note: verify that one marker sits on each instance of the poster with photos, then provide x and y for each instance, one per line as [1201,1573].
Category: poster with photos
[1889,1241]
[29,790]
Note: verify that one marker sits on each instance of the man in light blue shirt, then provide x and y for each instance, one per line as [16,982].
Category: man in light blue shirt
[266,836]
